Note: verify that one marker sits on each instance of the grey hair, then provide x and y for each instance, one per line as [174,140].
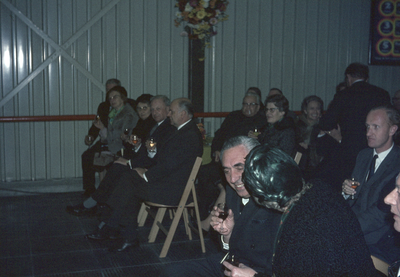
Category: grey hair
[247,142]
[187,106]
[164,98]
[255,94]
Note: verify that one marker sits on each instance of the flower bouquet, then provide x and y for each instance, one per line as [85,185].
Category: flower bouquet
[202,130]
[200,17]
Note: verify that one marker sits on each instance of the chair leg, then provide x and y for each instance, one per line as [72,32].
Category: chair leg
[196,209]
[155,228]
[171,232]
[142,215]
[186,222]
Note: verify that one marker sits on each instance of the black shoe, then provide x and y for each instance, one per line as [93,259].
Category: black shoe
[99,234]
[80,210]
[104,233]
[124,245]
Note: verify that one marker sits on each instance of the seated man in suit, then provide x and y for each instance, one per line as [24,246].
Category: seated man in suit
[349,109]
[249,231]
[162,183]
[159,106]
[373,177]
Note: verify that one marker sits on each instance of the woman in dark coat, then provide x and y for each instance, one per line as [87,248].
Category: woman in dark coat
[307,132]
[280,130]
[319,234]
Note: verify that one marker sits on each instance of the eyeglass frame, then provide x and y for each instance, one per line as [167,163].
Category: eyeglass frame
[272,110]
[250,104]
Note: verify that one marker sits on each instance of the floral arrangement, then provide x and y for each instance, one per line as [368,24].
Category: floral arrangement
[202,130]
[201,17]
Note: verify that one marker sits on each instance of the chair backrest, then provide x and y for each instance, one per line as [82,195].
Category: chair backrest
[189,188]
[297,157]
[380,265]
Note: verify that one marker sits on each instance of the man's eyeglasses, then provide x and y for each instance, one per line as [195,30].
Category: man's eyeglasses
[249,104]
[142,108]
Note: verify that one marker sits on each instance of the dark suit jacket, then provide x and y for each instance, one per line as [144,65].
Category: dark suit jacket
[253,236]
[236,124]
[373,215]
[175,159]
[160,135]
[349,109]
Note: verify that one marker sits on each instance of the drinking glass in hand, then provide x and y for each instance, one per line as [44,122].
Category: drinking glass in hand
[354,185]
[223,210]
[89,140]
[152,144]
[134,139]
[256,132]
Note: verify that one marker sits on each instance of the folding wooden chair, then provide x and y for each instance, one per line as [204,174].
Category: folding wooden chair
[181,209]
[380,265]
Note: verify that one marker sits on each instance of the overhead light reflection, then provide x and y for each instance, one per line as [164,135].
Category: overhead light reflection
[21,59]
[7,59]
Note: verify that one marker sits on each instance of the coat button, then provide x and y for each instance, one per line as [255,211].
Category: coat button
[252,246]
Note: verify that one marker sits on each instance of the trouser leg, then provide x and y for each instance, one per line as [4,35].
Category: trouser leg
[110,181]
[87,167]
[125,201]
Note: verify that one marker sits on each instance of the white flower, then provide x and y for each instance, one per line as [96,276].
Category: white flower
[193,26]
[188,8]
[178,14]
[184,34]
[213,21]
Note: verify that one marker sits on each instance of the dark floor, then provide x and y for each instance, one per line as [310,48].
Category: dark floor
[38,238]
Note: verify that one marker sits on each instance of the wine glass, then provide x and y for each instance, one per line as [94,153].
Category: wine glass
[89,140]
[135,139]
[256,132]
[152,144]
[126,131]
[354,185]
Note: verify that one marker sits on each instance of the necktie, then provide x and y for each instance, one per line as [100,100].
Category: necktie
[153,129]
[372,167]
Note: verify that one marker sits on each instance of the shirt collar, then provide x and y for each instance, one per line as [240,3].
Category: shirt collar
[382,155]
[180,126]
[159,123]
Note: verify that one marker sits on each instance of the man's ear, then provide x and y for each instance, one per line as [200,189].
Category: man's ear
[393,129]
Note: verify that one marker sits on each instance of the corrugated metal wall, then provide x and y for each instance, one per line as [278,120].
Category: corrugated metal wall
[301,46]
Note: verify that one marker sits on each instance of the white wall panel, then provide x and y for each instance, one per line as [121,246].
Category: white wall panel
[300,46]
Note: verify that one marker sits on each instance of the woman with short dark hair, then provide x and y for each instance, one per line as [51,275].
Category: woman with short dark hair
[280,129]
